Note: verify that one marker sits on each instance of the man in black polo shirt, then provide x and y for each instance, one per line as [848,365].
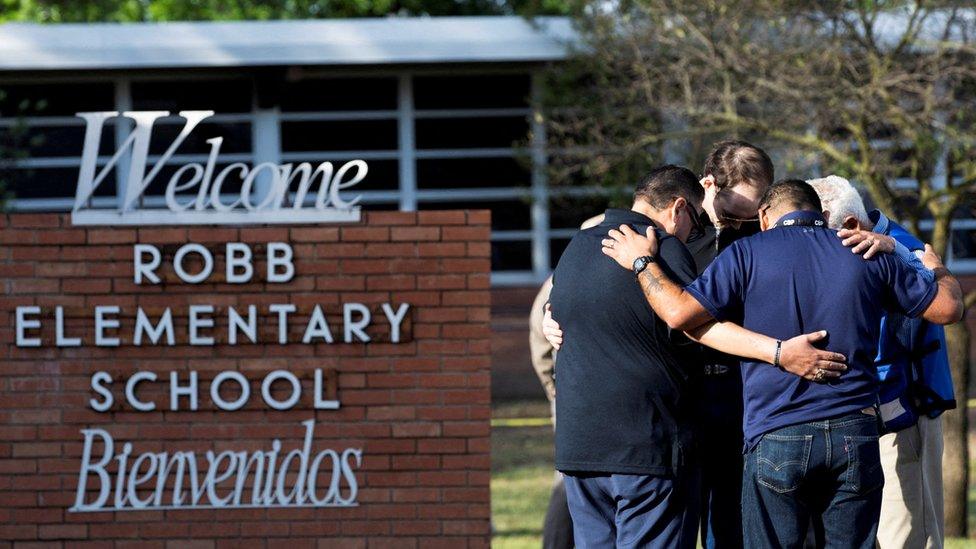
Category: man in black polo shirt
[624,430]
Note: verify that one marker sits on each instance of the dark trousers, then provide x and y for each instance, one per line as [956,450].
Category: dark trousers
[613,510]
[721,521]
[828,471]
[721,467]
[557,530]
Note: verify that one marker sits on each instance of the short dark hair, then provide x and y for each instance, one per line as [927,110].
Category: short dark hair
[666,183]
[734,162]
[793,193]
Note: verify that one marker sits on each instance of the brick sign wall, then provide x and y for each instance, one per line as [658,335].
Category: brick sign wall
[398,443]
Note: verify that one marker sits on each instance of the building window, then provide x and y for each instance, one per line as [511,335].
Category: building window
[469,173]
[339,94]
[511,255]
[483,91]
[38,122]
[232,95]
[63,99]
[482,132]
[339,135]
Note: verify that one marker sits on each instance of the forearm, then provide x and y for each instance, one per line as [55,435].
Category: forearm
[796,355]
[671,302]
[733,339]
[947,307]
[948,283]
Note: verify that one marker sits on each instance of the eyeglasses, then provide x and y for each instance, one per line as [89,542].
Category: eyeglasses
[731,218]
[697,229]
[739,219]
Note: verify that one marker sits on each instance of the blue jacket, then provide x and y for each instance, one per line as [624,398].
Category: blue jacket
[912,362]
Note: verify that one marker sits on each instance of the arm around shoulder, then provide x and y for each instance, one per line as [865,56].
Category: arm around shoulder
[947,306]
[672,304]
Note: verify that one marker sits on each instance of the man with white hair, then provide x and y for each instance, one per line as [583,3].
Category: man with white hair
[916,387]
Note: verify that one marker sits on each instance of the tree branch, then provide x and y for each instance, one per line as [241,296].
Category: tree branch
[970,299]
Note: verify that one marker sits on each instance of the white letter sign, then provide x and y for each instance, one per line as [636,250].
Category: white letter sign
[210,204]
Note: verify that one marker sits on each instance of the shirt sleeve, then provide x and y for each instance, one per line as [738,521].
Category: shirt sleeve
[907,247]
[913,260]
[721,288]
[676,260]
[910,290]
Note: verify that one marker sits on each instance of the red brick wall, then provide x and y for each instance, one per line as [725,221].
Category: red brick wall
[418,409]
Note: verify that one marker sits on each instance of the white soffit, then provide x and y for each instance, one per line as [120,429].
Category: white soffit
[416,40]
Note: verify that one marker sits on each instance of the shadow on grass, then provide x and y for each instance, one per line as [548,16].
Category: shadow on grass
[528,532]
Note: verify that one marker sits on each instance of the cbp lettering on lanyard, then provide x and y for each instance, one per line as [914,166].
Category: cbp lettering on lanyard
[719,369]
[801,223]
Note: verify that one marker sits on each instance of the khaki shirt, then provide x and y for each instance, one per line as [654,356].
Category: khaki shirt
[543,354]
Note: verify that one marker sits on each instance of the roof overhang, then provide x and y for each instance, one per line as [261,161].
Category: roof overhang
[393,40]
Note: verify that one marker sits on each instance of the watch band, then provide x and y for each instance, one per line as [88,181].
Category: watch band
[641,263]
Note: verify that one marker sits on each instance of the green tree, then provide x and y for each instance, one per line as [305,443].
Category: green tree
[879,91]
[73,11]
[14,140]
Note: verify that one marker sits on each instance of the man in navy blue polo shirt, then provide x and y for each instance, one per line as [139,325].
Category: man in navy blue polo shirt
[812,447]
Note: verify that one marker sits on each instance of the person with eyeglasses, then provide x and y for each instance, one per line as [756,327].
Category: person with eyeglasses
[734,177]
[626,386]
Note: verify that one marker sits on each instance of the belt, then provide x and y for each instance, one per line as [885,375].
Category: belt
[716,369]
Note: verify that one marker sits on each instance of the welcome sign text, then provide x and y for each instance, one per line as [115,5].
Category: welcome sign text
[196,194]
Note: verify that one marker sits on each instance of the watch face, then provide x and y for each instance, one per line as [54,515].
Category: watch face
[640,263]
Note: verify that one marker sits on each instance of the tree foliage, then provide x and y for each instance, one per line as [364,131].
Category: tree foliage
[119,11]
[874,92]
[14,140]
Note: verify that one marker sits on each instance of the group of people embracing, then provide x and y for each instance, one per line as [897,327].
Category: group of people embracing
[730,350]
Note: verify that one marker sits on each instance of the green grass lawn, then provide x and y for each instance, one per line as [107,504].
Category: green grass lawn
[522,475]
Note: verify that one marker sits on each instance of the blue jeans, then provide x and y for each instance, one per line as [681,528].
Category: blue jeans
[828,471]
[616,510]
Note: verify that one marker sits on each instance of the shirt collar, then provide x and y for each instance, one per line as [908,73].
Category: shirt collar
[799,216]
[618,216]
[882,225]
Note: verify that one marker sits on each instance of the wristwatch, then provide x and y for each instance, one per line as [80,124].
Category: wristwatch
[641,263]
